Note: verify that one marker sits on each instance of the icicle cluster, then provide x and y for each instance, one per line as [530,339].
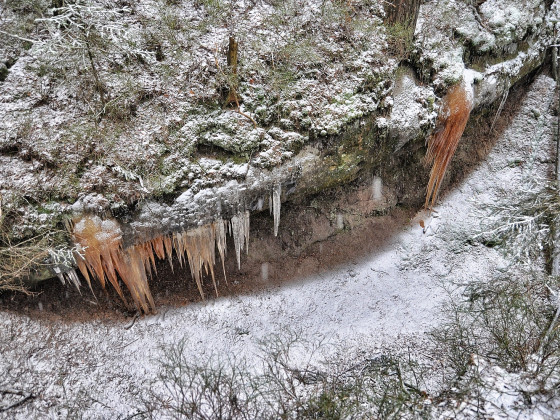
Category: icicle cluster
[101,255]
[452,120]
[69,276]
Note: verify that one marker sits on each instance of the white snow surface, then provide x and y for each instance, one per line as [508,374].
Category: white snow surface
[389,299]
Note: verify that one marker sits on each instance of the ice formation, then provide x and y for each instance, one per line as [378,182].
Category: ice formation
[100,254]
[339,221]
[452,120]
[276,194]
[99,246]
[264,271]
[200,246]
[376,188]
[220,227]
[240,233]
[68,276]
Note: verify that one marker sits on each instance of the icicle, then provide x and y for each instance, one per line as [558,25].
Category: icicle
[100,243]
[220,229]
[73,277]
[237,232]
[376,188]
[168,244]
[339,221]
[178,244]
[276,194]
[246,222]
[200,245]
[157,245]
[264,271]
[101,255]
[146,252]
[240,232]
[60,276]
[131,267]
[68,276]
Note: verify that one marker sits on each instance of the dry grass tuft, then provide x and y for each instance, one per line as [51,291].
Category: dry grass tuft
[17,261]
[451,124]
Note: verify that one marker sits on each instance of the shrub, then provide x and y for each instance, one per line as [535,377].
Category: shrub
[218,388]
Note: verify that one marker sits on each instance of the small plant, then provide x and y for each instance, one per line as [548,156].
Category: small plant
[524,222]
[213,389]
[504,320]
[17,260]
[399,38]
[85,33]
[23,257]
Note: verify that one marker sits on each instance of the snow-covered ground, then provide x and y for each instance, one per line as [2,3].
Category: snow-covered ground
[387,300]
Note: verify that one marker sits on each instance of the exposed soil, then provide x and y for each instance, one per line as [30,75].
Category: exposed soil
[53,300]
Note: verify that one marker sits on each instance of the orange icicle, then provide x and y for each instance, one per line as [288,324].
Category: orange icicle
[168,244]
[101,255]
[451,124]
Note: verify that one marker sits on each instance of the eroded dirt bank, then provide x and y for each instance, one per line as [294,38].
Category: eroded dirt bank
[335,227]
[137,136]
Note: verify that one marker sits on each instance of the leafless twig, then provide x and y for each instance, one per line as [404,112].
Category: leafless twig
[24,399]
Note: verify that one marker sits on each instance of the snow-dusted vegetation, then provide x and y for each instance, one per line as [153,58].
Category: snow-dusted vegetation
[450,323]
[281,150]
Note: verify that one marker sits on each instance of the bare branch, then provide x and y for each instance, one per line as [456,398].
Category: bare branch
[18,37]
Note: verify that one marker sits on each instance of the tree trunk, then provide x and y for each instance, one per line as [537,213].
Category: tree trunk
[402,12]
[232,97]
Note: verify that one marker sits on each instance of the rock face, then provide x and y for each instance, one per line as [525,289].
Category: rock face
[128,122]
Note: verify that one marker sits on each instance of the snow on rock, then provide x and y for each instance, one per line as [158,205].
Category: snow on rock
[413,108]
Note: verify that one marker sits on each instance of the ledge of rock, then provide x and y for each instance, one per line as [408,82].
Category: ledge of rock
[327,95]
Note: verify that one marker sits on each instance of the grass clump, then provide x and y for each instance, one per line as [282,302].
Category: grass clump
[26,255]
[19,259]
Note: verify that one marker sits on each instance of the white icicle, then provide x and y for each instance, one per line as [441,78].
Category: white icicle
[276,193]
[264,271]
[339,221]
[240,231]
[377,188]
[235,227]
[246,222]
[68,276]
[220,226]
